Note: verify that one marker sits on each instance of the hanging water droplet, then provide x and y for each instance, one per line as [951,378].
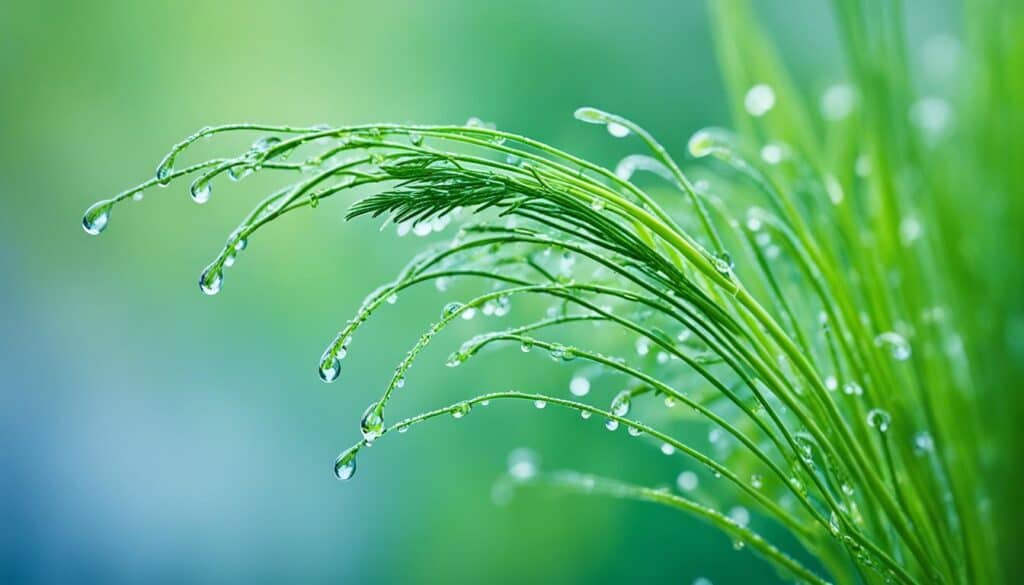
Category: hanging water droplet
[241,244]
[687,481]
[759,100]
[540,404]
[579,385]
[633,431]
[643,346]
[756,481]
[526,345]
[415,139]
[898,347]
[265,143]
[846,488]
[772,153]
[585,414]
[137,196]
[460,410]
[392,299]
[469,313]
[211,280]
[330,367]
[667,449]
[523,463]
[400,382]
[611,424]
[372,423]
[597,204]
[701,144]
[879,419]
[670,402]
[345,464]
[200,190]
[97,217]
[455,359]
[450,309]
[831,383]
[621,403]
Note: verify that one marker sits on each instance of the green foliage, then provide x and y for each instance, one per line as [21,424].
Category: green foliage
[802,302]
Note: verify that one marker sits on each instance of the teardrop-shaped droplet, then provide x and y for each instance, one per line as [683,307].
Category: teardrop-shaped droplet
[621,403]
[97,217]
[200,190]
[265,143]
[724,263]
[617,130]
[879,419]
[415,139]
[611,424]
[372,423]
[345,464]
[164,170]
[455,359]
[585,414]
[330,367]
[633,431]
[756,481]
[540,404]
[701,144]
[667,449]
[211,280]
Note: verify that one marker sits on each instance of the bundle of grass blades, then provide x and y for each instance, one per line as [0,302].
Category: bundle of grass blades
[815,300]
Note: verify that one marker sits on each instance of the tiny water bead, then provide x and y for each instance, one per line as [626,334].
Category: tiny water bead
[461,409]
[702,143]
[756,481]
[897,345]
[617,130]
[595,116]
[739,515]
[633,431]
[837,101]
[667,449]
[724,263]
[611,424]
[759,100]
[392,299]
[923,443]
[772,153]
[97,217]
[211,280]
[525,346]
[345,464]
[687,481]
[372,423]
[523,463]
[879,419]
[579,386]
[852,389]
[540,404]
[415,139]
[585,414]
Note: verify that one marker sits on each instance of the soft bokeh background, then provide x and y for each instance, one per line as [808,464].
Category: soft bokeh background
[150,434]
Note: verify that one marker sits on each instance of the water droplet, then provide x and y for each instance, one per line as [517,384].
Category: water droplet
[265,143]
[772,153]
[450,309]
[579,385]
[137,196]
[460,410]
[846,488]
[211,280]
[831,383]
[621,403]
[345,464]
[759,100]
[392,299]
[372,423]
[415,139]
[670,402]
[923,443]
[200,190]
[330,367]
[633,431]
[910,230]
[702,581]
[455,359]
[241,244]
[611,424]
[898,347]
[932,115]
[400,382]
[523,463]
[617,130]
[643,346]
[837,101]
[469,313]
[687,481]
[526,345]
[585,414]
[540,404]
[756,481]
[724,263]
[702,143]
[667,449]
[879,419]
[97,217]
[739,515]
[852,389]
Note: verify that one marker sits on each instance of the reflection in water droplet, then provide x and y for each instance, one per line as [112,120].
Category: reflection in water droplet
[621,403]
[898,346]
[345,464]
[330,368]
[461,409]
[211,280]
[879,419]
[97,217]
[372,423]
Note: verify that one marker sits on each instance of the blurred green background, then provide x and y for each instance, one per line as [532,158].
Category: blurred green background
[151,434]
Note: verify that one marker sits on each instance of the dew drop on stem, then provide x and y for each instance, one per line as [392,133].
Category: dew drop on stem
[211,280]
[345,464]
[97,217]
